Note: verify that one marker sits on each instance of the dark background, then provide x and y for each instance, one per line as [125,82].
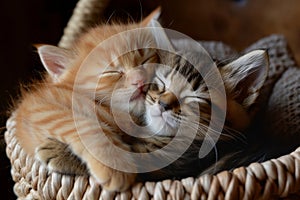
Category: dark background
[23,23]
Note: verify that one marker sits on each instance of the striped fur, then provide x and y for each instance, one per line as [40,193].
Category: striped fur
[179,95]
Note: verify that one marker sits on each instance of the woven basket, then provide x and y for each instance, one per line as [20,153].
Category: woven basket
[276,178]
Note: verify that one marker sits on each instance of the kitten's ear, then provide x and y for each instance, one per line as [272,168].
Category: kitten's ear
[154,15]
[54,59]
[246,75]
[161,39]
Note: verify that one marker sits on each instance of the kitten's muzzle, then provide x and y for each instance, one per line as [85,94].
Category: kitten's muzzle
[168,101]
[164,105]
[139,93]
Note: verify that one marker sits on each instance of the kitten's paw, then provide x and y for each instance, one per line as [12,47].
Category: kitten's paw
[113,180]
[59,158]
[120,181]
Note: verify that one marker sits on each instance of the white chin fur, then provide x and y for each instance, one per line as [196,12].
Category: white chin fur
[160,124]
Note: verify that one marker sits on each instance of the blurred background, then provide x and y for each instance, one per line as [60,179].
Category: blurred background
[237,23]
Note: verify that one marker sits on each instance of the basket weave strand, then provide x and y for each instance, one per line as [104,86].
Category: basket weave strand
[85,15]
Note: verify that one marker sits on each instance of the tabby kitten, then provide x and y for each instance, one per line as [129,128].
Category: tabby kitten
[175,89]
[69,112]
[179,103]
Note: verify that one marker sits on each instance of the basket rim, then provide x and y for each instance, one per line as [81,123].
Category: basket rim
[273,178]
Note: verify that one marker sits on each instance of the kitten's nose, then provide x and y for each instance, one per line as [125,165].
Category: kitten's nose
[168,101]
[139,83]
[164,105]
[136,78]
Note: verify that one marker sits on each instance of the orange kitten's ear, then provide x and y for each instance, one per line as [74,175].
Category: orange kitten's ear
[54,59]
[246,75]
[153,15]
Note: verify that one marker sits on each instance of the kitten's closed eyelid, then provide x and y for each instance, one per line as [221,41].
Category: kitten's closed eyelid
[193,97]
[189,99]
[112,72]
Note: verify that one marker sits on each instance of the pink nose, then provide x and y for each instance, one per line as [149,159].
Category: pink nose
[136,78]
[139,83]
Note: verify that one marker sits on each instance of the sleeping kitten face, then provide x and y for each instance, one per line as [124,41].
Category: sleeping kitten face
[172,100]
[179,96]
[109,59]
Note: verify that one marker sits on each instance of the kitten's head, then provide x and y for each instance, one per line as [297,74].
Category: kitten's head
[108,58]
[178,96]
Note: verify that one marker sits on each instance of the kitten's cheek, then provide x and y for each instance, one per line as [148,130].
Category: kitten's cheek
[136,77]
[171,122]
[156,124]
[155,111]
[137,106]
[137,96]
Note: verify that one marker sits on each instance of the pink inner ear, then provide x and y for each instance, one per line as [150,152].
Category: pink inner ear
[54,59]
[53,67]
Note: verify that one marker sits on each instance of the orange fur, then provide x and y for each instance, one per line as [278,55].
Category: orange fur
[72,107]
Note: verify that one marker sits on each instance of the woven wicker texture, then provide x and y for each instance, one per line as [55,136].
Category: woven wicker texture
[284,106]
[85,15]
[274,178]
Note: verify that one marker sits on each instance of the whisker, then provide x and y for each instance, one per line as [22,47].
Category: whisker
[203,128]
[110,17]
[141,10]
[130,17]
[234,134]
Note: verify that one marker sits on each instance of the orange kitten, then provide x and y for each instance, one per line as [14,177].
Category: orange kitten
[72,104]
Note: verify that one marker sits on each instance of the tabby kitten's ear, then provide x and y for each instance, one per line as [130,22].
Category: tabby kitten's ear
[246,75]
[54,59]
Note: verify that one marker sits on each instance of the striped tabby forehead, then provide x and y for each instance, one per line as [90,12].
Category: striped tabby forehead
[180,72]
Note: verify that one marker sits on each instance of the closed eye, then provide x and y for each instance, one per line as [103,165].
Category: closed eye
[194,98]
[112,73]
